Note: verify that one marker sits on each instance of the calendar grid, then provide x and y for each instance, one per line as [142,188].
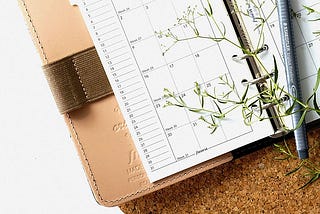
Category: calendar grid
[168,139]
[167,64]
[191,54]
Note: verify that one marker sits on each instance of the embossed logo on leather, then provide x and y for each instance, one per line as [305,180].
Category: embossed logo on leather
[135,170]
[120,126]
[136,174]
[133,156]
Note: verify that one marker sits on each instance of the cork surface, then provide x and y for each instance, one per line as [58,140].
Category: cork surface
[255,183]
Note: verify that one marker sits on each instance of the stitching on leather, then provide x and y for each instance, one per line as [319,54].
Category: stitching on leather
[162,183]
[80,80]
[81,146]
[85,157]
[137,192]
[77,136]
[34,31]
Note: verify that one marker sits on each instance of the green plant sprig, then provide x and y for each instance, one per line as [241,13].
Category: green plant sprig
[188,19]
[308,168]
[310,10]
[252,106]
[262,21]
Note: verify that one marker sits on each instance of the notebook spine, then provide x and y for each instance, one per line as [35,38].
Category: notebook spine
[259,79]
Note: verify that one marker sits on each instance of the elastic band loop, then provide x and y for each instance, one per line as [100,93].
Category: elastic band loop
[76,80]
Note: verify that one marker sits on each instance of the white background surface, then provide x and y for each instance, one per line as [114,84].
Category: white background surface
[40,169]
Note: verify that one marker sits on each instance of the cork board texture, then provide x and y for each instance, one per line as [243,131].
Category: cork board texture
[255,183]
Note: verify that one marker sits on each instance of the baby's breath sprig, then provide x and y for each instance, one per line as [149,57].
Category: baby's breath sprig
[272,94]
[307,167]
[228,99]
[189,20]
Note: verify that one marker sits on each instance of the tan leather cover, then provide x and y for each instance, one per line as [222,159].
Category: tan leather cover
[108,155]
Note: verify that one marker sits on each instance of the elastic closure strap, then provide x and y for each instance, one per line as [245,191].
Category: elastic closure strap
[76,80]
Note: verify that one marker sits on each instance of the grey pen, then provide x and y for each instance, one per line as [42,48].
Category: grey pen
[292,73]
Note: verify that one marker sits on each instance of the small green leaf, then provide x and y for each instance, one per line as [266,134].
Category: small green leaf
[294,170]
[282,159]
[219,116]
[182,101]
[197,89]
[202,101]
[212,119]
[224,32]
[313,179]
[309,9]
[195,110]
[207,12]
[226,95]
[301,121]
[260,108]
[168,103]
[218,107]
[289,110]
[222,101]
[271,89]
[196,32]
[202,118]
[317,81]
[210,9]
[276,71]
[278,146]
[315,103]
[308,100]
[178,105]
[253,103]
[245,94]
[213,126]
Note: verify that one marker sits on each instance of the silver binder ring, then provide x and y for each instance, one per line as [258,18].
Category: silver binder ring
[261,79]
[270,105]
[241,57]
[264,48]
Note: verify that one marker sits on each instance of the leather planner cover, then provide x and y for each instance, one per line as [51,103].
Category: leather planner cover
[99,132]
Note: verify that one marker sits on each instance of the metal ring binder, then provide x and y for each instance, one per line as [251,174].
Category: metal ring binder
[264,48]
[270,105]
[245,56]
[261,79]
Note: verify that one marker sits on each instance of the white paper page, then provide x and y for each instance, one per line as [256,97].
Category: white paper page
[168,139]
[307,43]
[308,48]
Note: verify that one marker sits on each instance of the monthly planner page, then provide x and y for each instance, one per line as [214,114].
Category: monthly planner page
[141,62]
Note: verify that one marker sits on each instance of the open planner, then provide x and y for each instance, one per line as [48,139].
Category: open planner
[137,42]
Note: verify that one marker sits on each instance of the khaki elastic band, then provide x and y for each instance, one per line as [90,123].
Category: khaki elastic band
[77,80]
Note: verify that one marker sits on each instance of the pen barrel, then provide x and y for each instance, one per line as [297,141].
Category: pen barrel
[300,135]
[292,73]
[288,48]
